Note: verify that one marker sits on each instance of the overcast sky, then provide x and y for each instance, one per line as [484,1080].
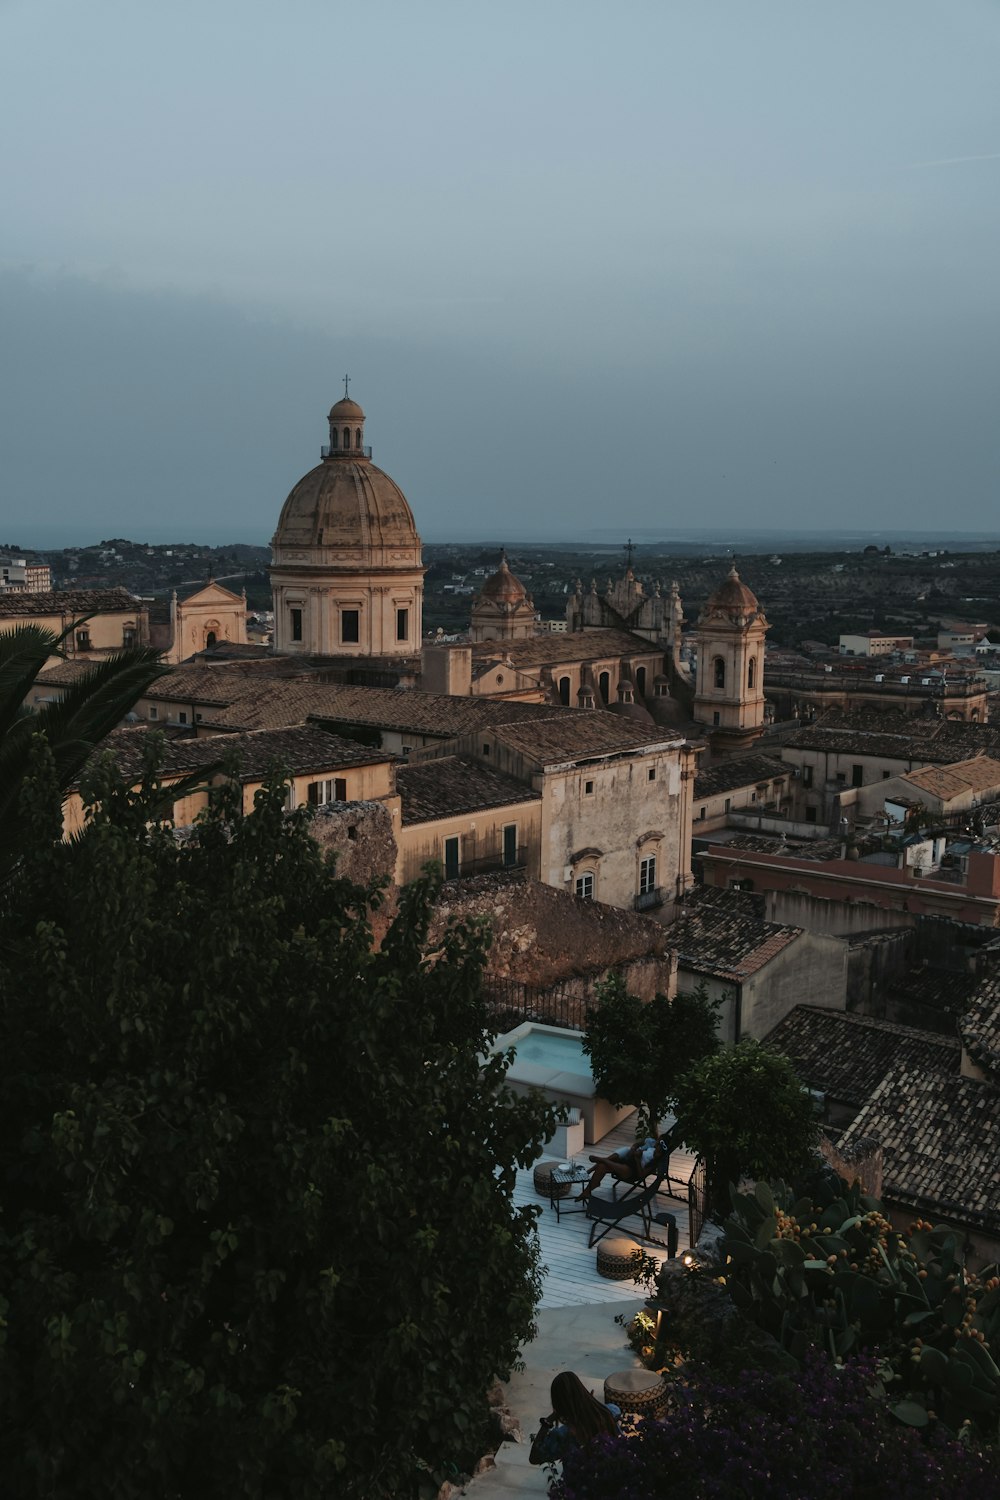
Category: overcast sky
[591,267]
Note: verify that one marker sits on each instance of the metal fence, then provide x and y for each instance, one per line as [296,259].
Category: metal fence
[697,1200]
[511,1003]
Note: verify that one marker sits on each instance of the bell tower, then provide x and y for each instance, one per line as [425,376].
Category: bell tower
[729,698]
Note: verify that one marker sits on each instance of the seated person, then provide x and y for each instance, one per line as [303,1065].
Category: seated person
[576,1417]
[628,1164]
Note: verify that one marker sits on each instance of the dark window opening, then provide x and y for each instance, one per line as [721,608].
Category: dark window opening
[703,813]
[588,788]
[357,438]
[347,437]
[857,776]
[402,624]
[751,672]
[128,636]
[451,858]
[564,691]
[585,887]
[509,845]
[651,774]
[296,624]
[350,625]
[810,815]
[604,683]
[640,681]
[83,640]
[716,717]
[720,672]
[210,639]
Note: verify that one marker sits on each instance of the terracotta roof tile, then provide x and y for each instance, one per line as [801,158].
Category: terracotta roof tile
[723,939]
[739,770]
[299,750]
[68,602]
[939,1139]
[453,785]
[849,1055]
[566,646]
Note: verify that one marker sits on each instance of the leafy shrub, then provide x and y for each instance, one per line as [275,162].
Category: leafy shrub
[820,1433]
[835,1274]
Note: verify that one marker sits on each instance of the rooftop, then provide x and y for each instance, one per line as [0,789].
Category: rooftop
[713,936]
[938,1134]
[566,646]
[849,1055]
[68,602]
[736,771]
[980,1025]
[299,750]
[581,735]
[979,774]
[452,785]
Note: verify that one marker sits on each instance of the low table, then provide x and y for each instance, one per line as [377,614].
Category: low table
[567,1177]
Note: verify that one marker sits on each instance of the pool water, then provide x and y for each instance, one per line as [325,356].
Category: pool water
[548,1050]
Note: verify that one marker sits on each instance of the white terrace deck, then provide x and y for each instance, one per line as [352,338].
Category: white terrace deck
[571,1277]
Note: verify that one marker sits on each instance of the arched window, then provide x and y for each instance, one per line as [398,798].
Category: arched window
[720,672]
[347,437]
[564,691]
[210,638]
[604,683]
[640,681]
[751,672]
[333,437]
[357,438]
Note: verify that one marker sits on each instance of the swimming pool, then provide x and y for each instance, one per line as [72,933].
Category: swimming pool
[553,1060]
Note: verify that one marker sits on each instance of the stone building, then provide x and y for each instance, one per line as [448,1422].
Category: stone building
[503,610]
[346,575]
[203,619]
[94,623]
[729,699]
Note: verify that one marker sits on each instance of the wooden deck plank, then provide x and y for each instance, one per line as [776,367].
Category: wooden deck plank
[570,1278]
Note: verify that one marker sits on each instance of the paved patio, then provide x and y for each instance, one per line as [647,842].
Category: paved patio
[576,1318]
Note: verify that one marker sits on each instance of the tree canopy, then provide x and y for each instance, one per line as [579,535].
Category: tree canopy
[87,711]
[640,1049]
[258,1235]
[745,1111]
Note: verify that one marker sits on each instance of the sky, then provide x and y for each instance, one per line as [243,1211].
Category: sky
[636,268]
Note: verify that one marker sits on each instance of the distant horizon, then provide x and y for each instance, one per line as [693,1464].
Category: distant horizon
[603,538]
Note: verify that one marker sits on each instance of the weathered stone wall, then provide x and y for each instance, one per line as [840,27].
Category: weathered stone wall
[543,936]
[863,1163]
[360,835]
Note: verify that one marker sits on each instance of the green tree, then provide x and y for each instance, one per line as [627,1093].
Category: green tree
[258,1234]
[746,1113]
[88,711]
[639,1049]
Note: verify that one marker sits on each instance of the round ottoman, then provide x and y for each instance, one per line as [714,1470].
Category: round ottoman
[640,1391]
[615,1258]
[543,1187]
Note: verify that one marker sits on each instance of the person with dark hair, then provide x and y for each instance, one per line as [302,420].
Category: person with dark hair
[576,1418]
[629,1164]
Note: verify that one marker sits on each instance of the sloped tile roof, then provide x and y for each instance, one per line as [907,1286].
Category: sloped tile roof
[979,774]
[728,942]
[849,1055]
[566,646]
[939,1138]
[453,785]
[68,602]
[299,750]
[739,770]
[980,1025]
[584,733]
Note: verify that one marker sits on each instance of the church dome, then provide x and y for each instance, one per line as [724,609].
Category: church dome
[502,587]
[346,410]
[347,511]
[732,598]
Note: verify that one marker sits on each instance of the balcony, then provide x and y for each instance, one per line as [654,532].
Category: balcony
[364,452]
[647,900]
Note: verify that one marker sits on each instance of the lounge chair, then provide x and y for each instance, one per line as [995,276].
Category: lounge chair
[638,1200]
